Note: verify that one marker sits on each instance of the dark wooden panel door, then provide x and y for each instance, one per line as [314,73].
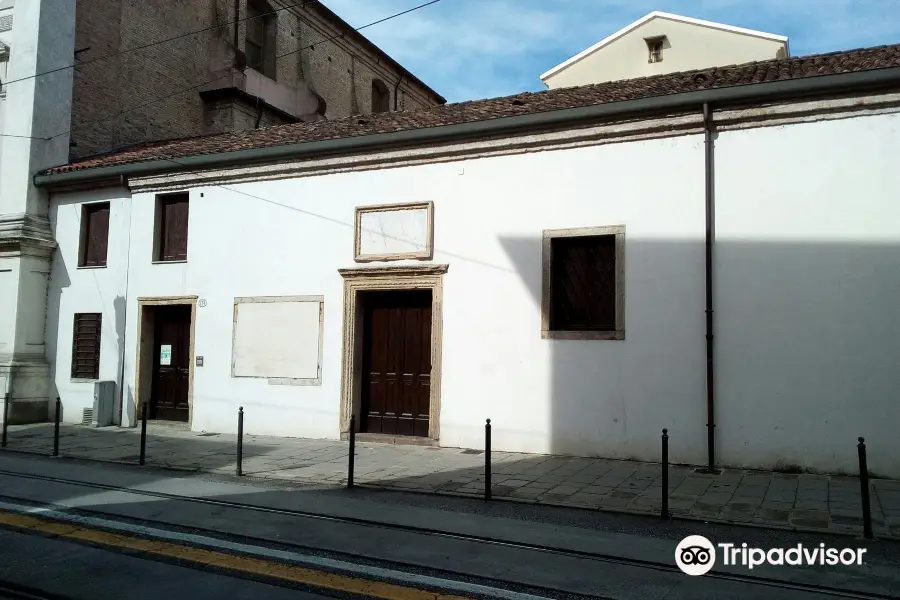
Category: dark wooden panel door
[396,362]
[171,363]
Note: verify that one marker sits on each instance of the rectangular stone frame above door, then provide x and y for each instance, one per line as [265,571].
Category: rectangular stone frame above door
[414,277]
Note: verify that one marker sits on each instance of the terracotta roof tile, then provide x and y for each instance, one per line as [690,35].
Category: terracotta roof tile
[519,104]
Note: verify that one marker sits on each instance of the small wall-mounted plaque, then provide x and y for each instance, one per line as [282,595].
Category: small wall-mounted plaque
[199,361]
[201,302]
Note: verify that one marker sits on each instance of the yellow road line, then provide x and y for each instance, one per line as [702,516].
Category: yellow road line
[276,570]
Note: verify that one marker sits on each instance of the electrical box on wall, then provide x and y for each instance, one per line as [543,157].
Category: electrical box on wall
[104,403]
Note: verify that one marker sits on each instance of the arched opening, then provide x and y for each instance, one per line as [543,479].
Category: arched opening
[381,97]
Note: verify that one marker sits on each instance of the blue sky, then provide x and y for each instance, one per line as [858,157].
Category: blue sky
[468,49]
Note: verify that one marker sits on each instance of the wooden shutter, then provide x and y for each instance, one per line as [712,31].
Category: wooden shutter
[583,283]
[86,346]
[173,231]
[96,235]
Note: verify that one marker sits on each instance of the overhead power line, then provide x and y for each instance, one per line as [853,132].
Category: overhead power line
[341,222]
[205,83]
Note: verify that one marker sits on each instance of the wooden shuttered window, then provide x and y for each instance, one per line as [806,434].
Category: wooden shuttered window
[172,227]
[86,346]
[583,283]
[94,234]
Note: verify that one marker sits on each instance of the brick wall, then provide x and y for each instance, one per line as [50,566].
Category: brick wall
[342,70]
[95,94]
[236,114]
[153,93]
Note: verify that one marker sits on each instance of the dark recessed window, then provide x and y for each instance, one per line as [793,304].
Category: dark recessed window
[583,287]
[583,283]
[94,235]
[171,227]
[86,346]
[259,42]
[381,97]
[655,48]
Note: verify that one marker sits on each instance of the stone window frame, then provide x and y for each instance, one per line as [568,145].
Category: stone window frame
[546,260]
[426,254]
[305,381]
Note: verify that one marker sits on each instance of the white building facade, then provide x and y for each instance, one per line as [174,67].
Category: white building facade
[551,280]
[37,40]
[661,43]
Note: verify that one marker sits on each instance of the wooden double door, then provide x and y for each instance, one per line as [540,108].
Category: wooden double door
[171,363]
[396,392]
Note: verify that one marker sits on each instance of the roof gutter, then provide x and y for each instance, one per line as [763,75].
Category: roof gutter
[718,97]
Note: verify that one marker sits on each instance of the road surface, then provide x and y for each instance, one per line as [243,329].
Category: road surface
[72,530]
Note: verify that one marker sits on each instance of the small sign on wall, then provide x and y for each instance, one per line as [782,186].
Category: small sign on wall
[165,355]
[199,361]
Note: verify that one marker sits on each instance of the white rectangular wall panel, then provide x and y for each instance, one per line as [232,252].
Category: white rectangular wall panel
[391,232]
[277,338]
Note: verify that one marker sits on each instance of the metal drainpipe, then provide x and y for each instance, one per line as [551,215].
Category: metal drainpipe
[123,183]
[710,223]
[396,92]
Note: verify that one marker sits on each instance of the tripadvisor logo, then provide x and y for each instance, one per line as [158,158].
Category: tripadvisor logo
[696,555]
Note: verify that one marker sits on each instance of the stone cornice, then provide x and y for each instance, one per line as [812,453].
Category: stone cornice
[22,233]
[395,270]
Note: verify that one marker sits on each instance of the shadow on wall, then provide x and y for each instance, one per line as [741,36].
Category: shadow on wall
[59,281]
[807,338]
[119,310]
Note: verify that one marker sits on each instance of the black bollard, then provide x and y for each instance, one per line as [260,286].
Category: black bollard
[56,427]
[487,460]
[240,442]
[864,487]
[664,511]
[143,434]
[5,417]
[352,455]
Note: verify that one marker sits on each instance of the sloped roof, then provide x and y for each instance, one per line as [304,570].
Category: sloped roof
[520,104]
[658,14]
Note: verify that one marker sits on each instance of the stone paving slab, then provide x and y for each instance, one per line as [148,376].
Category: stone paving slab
[811,502]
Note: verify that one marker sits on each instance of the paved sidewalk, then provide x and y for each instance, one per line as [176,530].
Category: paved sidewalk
[805,501]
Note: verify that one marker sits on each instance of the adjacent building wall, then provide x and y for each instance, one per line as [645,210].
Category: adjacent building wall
[142,94]
[806,285]
[35,137]
[688,46]
[6,23]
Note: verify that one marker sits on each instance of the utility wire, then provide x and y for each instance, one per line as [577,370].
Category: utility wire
[156,43]
[343,223]
[205,83]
